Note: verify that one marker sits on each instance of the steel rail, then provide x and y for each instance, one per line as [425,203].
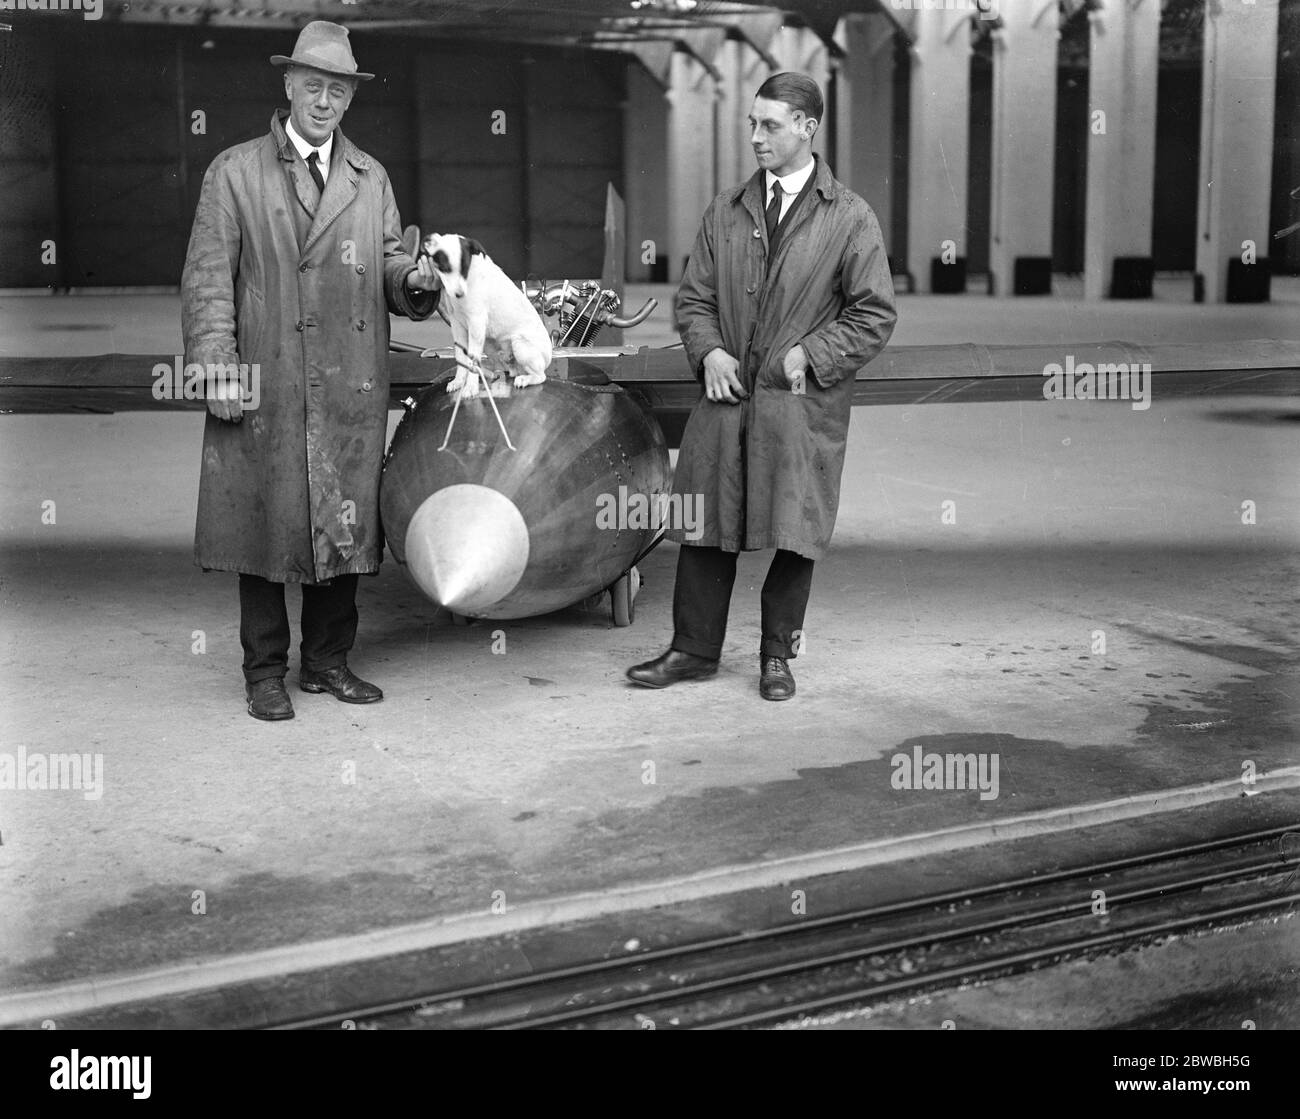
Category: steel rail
[842,923]
[1010,963]
[926,939]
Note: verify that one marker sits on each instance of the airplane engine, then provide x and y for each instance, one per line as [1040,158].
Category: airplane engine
[491,532]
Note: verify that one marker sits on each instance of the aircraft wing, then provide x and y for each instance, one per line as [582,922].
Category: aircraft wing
[665,384]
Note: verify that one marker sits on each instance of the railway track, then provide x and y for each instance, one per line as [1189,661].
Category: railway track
[857,958]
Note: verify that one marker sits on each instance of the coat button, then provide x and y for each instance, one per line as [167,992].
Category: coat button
[303,267]
[361,325]
[365,387]
[361,269]
[752,288]
[757,234]
[298,327]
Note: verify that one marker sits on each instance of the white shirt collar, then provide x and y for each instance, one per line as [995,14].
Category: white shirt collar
[304,148]
[792,183]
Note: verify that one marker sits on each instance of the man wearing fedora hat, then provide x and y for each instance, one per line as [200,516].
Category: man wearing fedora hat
[294,263]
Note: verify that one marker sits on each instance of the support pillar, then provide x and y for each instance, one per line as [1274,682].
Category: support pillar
[1024,138]
[1238,90]
[864,130]
[938,147]
[801,49]
[1122,70]
[691,144]
[743,71]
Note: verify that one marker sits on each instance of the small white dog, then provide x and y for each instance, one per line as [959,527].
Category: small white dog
[490,317]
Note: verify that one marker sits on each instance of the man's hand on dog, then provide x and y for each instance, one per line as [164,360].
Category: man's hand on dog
[423,277]
[720,380]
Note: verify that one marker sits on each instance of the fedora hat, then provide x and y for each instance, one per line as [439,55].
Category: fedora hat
[323,46]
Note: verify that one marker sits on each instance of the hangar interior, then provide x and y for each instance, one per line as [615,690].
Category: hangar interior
[1100,616]
[509,128]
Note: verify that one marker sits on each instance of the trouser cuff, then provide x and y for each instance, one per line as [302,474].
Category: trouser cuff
[267,672]
[773,647]
[696,648]
[338,660]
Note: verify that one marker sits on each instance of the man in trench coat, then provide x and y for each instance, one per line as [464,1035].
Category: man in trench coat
[294,263]
[787,294]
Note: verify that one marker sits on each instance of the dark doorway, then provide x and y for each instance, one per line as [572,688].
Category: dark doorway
[979,158]
[1070,190]
[1178,136]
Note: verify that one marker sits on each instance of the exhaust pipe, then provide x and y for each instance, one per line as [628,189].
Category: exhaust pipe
[635,320]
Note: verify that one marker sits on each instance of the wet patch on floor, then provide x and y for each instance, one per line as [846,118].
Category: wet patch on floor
[1254,416]
[173,921]
[1207,737]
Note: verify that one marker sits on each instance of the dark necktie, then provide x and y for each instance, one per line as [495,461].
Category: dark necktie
[313,165]
[773,213]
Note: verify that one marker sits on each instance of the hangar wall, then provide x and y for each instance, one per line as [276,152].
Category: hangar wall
[101,155]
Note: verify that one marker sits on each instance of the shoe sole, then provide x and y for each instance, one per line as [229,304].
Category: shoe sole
[776,698]
[270,718]
[670,683]
[317,689]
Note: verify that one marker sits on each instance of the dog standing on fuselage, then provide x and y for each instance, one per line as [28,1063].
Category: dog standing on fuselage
[490,317]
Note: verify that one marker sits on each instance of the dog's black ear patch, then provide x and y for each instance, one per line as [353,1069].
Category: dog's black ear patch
[468,247]
[440,261]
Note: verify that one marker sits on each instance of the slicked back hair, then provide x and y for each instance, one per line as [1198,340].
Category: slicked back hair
[797,90]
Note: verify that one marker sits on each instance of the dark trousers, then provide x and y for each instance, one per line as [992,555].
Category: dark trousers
[702,598]
[329,625]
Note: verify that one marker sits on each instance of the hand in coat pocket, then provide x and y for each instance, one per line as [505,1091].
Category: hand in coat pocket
[795,367]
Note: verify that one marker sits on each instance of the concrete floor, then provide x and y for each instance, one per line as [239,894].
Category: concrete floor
[524,776]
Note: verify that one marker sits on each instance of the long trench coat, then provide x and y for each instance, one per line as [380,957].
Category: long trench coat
[300,288]
[766,472]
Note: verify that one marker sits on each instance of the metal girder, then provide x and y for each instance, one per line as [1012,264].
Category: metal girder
[704,43]
[758,29]
[655,55]
[563,18]
[560,22]
[823,16]
[655,52]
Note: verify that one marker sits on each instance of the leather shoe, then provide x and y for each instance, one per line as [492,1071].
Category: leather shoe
[670,668]
[341,682]
[776,680]
[267,699]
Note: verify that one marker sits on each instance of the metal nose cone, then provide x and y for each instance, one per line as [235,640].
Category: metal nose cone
[467,547]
